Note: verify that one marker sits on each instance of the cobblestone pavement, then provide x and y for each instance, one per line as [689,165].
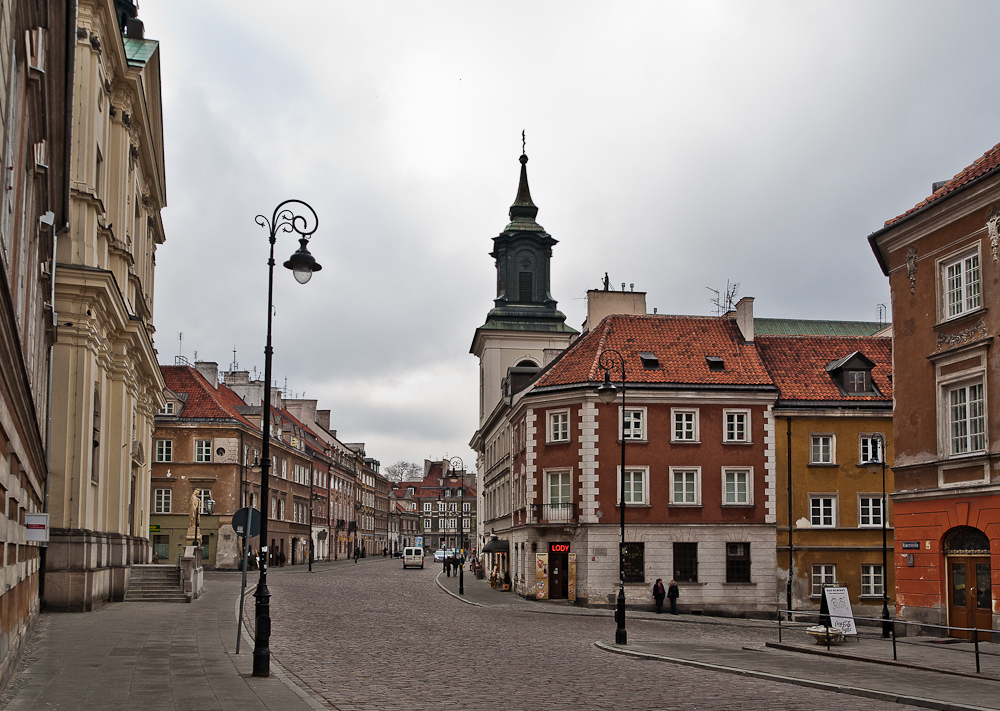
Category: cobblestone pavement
[375,636]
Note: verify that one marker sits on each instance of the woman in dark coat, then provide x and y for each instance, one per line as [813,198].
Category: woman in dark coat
[673,593]
[658,594]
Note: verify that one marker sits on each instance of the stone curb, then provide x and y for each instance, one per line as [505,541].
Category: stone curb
[822,685]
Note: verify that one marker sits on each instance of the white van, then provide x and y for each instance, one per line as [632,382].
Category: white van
[413,557]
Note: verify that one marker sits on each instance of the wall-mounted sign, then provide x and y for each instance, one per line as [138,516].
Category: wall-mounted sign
[559,548]
[911,545]
[154,528]
[36,527]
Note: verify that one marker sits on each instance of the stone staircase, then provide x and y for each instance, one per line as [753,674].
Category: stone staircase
[156,583]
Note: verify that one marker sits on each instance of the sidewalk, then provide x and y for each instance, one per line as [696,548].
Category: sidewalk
[929,673]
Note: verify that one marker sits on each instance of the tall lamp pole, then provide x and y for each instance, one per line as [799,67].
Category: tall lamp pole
[607,392]
[886,621]
[461,526]
[288,217]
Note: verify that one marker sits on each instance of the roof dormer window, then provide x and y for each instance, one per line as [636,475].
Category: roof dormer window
[715,364]
[649,360]
[853,374]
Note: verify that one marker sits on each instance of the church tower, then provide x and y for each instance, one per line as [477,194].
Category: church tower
[524,322]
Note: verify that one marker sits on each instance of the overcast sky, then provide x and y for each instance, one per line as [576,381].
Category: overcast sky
[676,146]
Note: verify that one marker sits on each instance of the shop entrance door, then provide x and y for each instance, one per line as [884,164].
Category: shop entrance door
[970,595]
[558,571]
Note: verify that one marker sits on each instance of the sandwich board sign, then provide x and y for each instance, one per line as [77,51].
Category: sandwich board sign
[838,606]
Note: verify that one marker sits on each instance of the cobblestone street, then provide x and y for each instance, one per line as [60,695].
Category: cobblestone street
[374,636]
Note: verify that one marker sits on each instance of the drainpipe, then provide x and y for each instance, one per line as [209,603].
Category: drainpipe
[791,544]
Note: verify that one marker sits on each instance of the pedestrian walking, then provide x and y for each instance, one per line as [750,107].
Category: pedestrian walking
[659,592]
[447,566]
[357,554]
[673,593]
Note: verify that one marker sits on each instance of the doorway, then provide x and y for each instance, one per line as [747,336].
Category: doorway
[970,595]
[970,589]
[558,571]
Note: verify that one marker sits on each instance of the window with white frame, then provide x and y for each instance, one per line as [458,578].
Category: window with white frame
[452,524]
[823,511]
[737,426]
[168,408]
[634,423]
[559,496]
[821,449]
[162,501]
[559,426]
[281,509]
[685,486]
[871,449]
[427,506]
[453,507]
[822,575]
[967,418]
[465,524]
[870,510]
[466,507]
[872,580]
[274,507]
[737,486]
[636,486]
[685,425]
[164,450]
[961,283]
[203,450]
[441,506]
[428,523]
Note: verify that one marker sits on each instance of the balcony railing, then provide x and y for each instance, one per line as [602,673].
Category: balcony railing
[554,513]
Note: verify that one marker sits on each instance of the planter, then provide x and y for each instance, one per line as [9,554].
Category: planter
[825,635]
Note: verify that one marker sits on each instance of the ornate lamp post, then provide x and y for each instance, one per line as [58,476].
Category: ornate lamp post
[886,620]
[461,527]
[608,392]
[288,217]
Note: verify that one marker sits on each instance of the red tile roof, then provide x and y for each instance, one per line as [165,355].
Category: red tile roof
[798,365]
[986,163]
[681,343]
[203,400]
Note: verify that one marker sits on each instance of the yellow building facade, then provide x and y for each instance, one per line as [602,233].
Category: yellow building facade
[106,382]
[833,424]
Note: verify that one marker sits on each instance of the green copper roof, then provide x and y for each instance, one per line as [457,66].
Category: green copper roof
[803,327]
[138,51]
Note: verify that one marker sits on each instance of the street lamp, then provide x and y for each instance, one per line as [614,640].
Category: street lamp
[288,217]
[461,527]
[886,622]
[607,392]
[209,506]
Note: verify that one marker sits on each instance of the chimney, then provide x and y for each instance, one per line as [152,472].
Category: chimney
[605,303]
[323,419]
[210,370]
[744,318]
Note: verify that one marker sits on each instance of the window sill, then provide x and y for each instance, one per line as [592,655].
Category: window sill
[823,465]
[750,584]
[684,506]
[685,441]
[737,441]
[634,441]
[558,441]
[634,506]
[951,320]
[873,596]
[739,506]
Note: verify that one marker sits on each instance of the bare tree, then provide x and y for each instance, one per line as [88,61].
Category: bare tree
[403,471]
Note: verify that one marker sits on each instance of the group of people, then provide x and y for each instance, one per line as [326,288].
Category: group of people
[672,593]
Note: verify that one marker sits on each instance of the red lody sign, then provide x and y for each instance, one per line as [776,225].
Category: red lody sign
[559,548]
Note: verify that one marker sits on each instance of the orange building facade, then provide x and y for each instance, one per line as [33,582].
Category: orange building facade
[943,265]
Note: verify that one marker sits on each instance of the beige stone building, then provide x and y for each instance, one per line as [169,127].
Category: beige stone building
[34,37]
[106,383]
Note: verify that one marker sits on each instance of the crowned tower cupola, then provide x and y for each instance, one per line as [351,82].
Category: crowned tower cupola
[524,328]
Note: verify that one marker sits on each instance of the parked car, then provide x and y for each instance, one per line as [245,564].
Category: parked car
[441,553]
[413,557]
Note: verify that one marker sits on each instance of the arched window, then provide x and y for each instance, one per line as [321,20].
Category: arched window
[967,540]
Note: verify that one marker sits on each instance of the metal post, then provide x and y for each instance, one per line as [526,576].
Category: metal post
[886,623]
[607,360]
[284,220]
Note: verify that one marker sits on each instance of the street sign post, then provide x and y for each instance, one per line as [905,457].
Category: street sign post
[240,522]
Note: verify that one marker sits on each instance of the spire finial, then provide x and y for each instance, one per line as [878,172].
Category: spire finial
[522,142]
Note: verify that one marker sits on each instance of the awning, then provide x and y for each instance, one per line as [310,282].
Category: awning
[497,545]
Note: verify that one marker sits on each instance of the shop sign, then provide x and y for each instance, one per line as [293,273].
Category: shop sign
[154,528]
[559,548]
